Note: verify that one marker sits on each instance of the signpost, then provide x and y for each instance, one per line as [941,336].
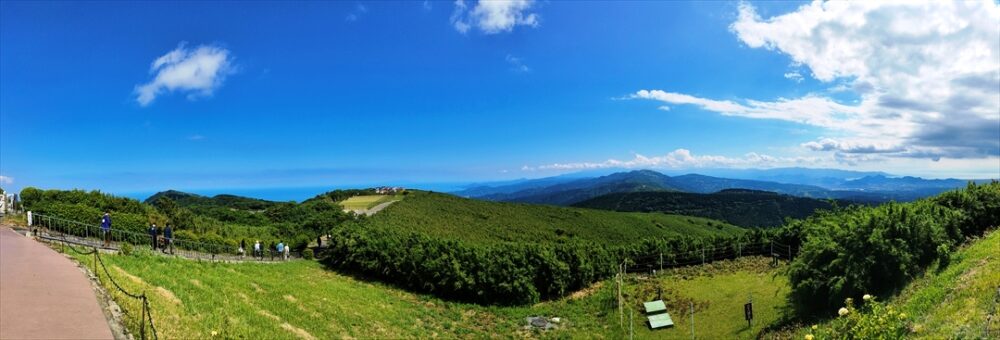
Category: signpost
[748,311]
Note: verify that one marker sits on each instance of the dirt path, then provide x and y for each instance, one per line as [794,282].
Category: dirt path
[43,295]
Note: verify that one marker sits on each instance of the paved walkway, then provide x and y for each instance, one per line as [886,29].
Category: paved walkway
[43,295]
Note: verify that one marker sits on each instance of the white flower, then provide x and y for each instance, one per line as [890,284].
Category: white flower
[867,297]
[843,311]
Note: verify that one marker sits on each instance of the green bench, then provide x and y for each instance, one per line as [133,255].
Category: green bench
[657,314]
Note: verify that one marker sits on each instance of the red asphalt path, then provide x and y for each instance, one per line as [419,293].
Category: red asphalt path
[43,295]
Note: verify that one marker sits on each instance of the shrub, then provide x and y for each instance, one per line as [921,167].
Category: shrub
[307,254]
[873,320]
[126,249]
[879,249]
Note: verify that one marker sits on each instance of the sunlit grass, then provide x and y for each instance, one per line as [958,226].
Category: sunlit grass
[302,299]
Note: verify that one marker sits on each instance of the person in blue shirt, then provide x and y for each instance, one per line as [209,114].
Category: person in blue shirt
[168,236]
[152,235]
[106,229]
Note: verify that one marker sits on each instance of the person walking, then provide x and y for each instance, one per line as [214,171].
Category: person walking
[168,236]
[243,247]
[287,250]
[270,249]
[256,250]
[106,229]
[281,249]
[152,235]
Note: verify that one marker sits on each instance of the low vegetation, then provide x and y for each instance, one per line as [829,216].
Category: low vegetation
[455,218]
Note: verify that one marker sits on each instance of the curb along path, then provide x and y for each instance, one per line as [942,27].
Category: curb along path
[43,295]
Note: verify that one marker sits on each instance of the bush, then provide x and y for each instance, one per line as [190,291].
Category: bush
[126,249]
[508,273]
[307,254]
[880,249]
[873,320]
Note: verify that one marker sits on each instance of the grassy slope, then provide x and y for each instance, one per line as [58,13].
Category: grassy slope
[365,201]
[718,292]
[482,221]
[954,301]
[289,300]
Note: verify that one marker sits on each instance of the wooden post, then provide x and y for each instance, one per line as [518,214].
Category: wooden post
[661,261]
[692,320]
[631,333]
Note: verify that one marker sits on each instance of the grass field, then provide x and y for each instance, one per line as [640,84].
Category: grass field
[365,202]
[302,300]
[453,217]
[953,302]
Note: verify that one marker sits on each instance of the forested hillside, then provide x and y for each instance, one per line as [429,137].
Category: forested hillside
[745,208]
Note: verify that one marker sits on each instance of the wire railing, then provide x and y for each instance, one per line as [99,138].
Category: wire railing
[93,236]
[651,262]
[128,302]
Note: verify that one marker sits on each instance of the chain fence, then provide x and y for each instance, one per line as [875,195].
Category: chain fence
[130,303]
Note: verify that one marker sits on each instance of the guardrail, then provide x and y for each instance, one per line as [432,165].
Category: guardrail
[86,234]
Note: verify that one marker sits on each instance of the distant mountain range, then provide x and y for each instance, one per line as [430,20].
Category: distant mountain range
[867,187]
[741,207]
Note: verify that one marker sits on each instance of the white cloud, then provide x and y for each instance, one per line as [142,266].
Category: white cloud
[427,5]
[195,137]
[927,76]
[198,71]
[356,13]
[794,75]
[6,180]
[517,65]
[493,16]
[683,159]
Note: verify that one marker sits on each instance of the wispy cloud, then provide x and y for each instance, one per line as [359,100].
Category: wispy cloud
[6,180]
[356,13]
[683,159]
[493,16]
[794,75]
[195,137]
[931,94]
[516,64]
[198,72]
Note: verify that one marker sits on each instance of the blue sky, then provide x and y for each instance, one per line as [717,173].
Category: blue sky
[289,94]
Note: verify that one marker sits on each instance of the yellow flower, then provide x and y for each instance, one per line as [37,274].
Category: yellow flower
[814,327]
[214,333]
[867,297]
[809,337]
[843,311]
[902,315]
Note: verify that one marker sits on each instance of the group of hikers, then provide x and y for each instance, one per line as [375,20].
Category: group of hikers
[164,241]
[281,249]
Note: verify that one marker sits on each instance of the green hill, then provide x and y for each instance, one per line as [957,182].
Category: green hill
[745,208]
[189,200]
[452,217]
